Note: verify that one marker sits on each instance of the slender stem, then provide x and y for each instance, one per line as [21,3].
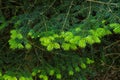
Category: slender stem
[67,15]
[100,2]
[89,11]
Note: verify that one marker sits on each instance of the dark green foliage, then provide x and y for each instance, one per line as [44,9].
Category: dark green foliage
[57,39]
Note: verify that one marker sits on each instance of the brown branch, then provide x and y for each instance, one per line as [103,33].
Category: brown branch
[112,44]
[111,54]
[107,72]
